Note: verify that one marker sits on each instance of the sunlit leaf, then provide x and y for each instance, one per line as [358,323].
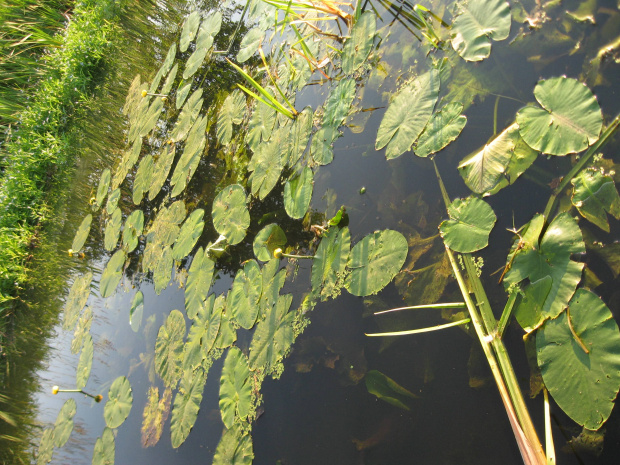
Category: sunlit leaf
[471,221]
[570,118]
[188,32]
[267,240]
[186,405]
[202,334]
[113,198]
[136,311]
[266,167]
[330,261]
[188,162]
[198,282]
[204,42]
[150,120]
[321,146]
[212,23]
[130,158]
[104,185]
[230,113]
[357,47]
[82,234]
[183,92]
[244,297]
[529,311]
[595,195]
[234,448]
[46,447]
[189,234]
[142,181]
[155,414]
[103,453]
[409,111]
[78,295]
[169,349]
[273,281]
[227,334]
[170,56]
[299,135]
[261,124]
[120,400]
[338,103]
[161,169]
[235,388]
[85,362]
[162,273]
[167,87]
[132,230]
[112,230]
[250,44]
[112,274]
[298,193]
[231,217]
[81,330]
[385,388]
[443,127]
[579,358]
[64,423]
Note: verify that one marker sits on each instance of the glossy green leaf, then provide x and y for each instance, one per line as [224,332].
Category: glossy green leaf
[595,195]
[385,388]
[231,217]
[104,185]
[189,234]
[162,273]
[358,46]
[261,124]
[471,221]
[188,162]
[113,198]
[64,423]
[267,240]
[136,311]
[46,447]
[406,117]
[273,281]
[161,169]
[234,448]
[204,42]
[78,295]
[183,92]
[188,32]
[250,44]
[112,274]
[169,349]
[85,362]
[186,405]
[579,357]
[529,311]
[374,261]
[443,127]
[82,234]
[338,103]
[569,121]
[155,414]
[202,334]
[235,388]
[227,334]
[244,297]
[81,330]
[231,112]
[120,400]
[142,180]
[321,146]
[112,230]
[198,282]
[476,23]
[132,230]
[266,167]
[330,261]
[299,135]
[298,193]
[105,448]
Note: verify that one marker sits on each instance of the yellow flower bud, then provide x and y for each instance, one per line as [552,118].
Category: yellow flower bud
[55,390]
[144,93]
[277,253]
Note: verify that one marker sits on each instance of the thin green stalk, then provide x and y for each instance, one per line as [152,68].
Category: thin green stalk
[232,39]
[422,330]
[430,306]
[507,313]
[549,447]
[273,81]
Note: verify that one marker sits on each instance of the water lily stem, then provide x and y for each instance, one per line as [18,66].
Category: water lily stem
[97,398]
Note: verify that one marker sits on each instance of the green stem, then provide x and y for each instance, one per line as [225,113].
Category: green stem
[422,330]
[507,313]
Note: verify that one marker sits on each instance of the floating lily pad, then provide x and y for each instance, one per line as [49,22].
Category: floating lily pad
[330,261]
[64,423]
[529,311]
[374,261]
[358,46]
[476,23]
[46,447]
[321,147]
[81,330]
[234,448]
[406,117]
[443,127]
[300,135]
[338,103]
[161,169]
[189,234]
[103,453]
[163,270]
[132,230]
[167,87]
[104,185]
[579,357]
[136,311]
[78,295]
[202,334]
[130,157]
[112,230]
[155,414]
[595,195]
[113,198]
[149,121]
[82,234]
[266,167]
[230,113]
[142,181]
[198,282]
[250,44]
[85,363]
[298,193]
[569,121]
[227,334]
[471,221]
[186,405]
[204,42]
[231,217]
[188,162]
[235,388]
[120,400]
[261,124]
[267,240]
[188,32]
[112,274]
[169,349]
[385,388]
[183,92]
[212,23]
[244,297]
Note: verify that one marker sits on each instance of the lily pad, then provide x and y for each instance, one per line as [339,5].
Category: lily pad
[321,147]
[120,400]
[189,234]
[82,234]
[155,414]
[104,185]
[244,297]
[46,447]
[529,311]
[234,448]
[267,240]
[569,121]
[103,453]
[161,169]
[136,311]
[204,42]
[595,195]
[298,193]
[132,230]
[183,92]
[78,295]
[235,388]
[212,23]
[374,261]
[198,282]
[330,261]
[202,334]
[273,281]
[188,32]
[113,199]
[250,44]
[579,357]
[81,330]
[261,124]
[169,349]
[188,162]
[300,135]
[186,405]
[385,388]
[471,221]
[142,181]
[230,113]
[85,363]
[406,117]
[231,217]
[476,23]
[443,127]
[227,334]
[112,274]
[163,270]
[338,103]
[266,167]
[64,423]
[358,46]
[112,230]
[167,87]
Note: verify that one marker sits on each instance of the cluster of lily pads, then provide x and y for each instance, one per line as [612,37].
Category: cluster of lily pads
[288,148]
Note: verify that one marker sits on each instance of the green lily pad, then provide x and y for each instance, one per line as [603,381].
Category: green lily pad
[235,388]
[202,334]
[476,23]
[204,42]
[112,274]
[82,234]
[406,117]
[298,193]
[103,453]
[385,388]
[130,157]
[338,103]
[227,334]
[188,32]
[198,282]
[142,181]
[267,240]
[136,311]
[165,227]
[155,414]
[120,400]
[167,87]
[321,146]
[273,281]
[250,44]
[595,195]
[81,330]
[163,270]
[266,167]
[186,405]
[188,162]
[85,363]
[374,261]
[443,127]
[212,23]
[161,169]
[569,121]
[261,124]
[358,46]
[230,113]
[300,135]
[78,295]
[581,367]
[104,185]
[169,60]
[244,297]
[189,234]
[46,447]
[471,221]
[234,448]
[330,261]
[529,311]
[132,230]
[183,92]
[113,199]
[112,230]
[169,349]
[64,423]
[231,217]
[149,121]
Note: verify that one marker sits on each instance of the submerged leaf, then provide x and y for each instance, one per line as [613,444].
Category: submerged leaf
[81,330]
[595,195]
[82,234]
[186,405]
[231,217]
[155,414]
[385,388]
[471,221]
[136,311]
[120,400]
[443,127]
[169,349]
[235,388]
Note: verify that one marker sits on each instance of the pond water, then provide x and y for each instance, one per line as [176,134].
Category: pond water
[316,402]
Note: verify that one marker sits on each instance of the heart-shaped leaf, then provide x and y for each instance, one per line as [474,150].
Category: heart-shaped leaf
[82,233]
[198,282]
[250,44]
[81,330]
[103,453]
[298,193]
[189,234]
[136,311]
[202,334]
[385,388]
[132,230]
[169,349]
[231,217]
[188,116]
[338,103]
[161,169]
[46,447]
[78,295]
[358,46]
[471,221]
[267,240]
[595,195]
[266,167]
[235,388]
[189,29]
[104,185]
[142,181]
[112,230]
[443,127]
[234,448]
[120,400]
[244,297]
[64,423]
[186,405]
[230,113]
[330,261]
[261,124]
[112,274]
[321,147]
[300,135]
[162,272]
[188,162]
[85,362]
